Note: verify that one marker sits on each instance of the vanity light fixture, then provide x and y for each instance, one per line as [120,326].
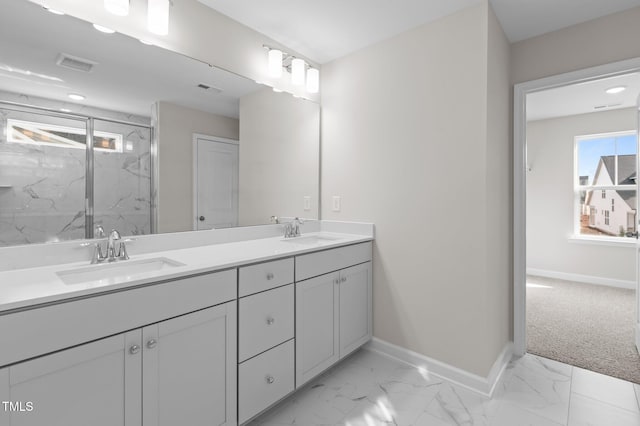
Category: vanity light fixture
[103,29]
[117,7]
[158,16]
[616,89]
[275,63]
[313,80]
[297,71]
[76,97]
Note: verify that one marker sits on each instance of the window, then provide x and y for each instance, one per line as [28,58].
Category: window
[605,164]
[28,132]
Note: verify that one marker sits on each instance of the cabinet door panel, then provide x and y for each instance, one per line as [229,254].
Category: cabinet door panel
[190,370]
[98,383]
[316,326]
[355,307]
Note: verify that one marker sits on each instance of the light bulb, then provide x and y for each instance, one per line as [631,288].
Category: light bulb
[275,63]
[158,16]
[297,72]
[313,80]
[117,7]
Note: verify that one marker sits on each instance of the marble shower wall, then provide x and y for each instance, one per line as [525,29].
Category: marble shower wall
[42,188]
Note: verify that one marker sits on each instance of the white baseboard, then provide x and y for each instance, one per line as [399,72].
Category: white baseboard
[589,279]
[482,385]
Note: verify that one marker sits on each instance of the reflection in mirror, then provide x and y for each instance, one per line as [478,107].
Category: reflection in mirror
[157,142]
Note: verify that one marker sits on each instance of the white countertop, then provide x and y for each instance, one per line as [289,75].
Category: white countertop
[26,288]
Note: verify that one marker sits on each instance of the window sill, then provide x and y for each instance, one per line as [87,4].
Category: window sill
[603,241]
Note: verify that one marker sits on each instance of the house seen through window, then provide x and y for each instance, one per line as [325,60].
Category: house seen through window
[605,184]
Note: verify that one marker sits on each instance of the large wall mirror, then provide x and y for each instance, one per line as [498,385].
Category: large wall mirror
[102,129]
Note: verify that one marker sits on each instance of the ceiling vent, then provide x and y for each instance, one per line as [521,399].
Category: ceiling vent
[75,63]
[213,89]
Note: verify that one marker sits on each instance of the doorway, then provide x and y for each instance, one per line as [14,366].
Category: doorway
[583,202]
[215,185]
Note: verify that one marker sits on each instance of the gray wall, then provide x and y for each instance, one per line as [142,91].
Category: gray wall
[409,144]
[176,126]
[550,207]
[279,157]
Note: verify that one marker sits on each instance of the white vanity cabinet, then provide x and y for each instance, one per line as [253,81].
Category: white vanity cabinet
[180,370]
[266,328]
[333,310]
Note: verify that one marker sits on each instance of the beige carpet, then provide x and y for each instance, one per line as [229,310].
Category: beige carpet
[585,325]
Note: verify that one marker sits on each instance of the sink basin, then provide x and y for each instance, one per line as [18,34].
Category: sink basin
[112,273]
[311,240]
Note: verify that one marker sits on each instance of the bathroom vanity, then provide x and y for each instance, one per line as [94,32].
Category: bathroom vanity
[214,334]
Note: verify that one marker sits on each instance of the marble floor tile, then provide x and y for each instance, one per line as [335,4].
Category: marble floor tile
[371,389]
[607,389]
[539,385]
[591,412]
[637,389]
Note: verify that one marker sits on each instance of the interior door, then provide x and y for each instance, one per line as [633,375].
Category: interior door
[216,182]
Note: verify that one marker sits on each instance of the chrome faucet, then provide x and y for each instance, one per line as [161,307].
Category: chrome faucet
[292,229]
[112,254]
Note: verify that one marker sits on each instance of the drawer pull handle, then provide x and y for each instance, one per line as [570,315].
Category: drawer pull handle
[269,276]
[336,281]
[152,343]
[134,349]
[270,320]
[270,379]
[343,279]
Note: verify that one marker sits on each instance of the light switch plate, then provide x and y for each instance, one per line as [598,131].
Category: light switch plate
[307,203]
[335,204]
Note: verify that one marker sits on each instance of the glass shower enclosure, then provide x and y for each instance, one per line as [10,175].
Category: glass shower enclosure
[62,175]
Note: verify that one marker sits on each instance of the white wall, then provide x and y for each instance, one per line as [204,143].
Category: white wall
[406,137]
[176,126]
[601,41]
[550,206]
[279,157]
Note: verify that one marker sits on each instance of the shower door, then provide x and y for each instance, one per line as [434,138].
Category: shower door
[62,175]
[42,177]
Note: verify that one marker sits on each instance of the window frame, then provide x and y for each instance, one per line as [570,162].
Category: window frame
[577,188]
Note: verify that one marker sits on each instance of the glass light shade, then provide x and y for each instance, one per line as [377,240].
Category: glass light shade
[313,80]
[297,72]
[158,16]
[117,7]
[275,63]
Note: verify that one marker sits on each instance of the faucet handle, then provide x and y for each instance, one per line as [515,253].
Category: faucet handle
[122,251]
[99,233]
[114,235]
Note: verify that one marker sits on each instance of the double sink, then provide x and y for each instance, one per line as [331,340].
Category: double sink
[118,272]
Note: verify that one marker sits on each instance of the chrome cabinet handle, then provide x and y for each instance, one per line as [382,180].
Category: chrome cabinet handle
[270,276]
[270,320]
[343,279]
[152,343]
[270,379]
[134,349]
[336,281]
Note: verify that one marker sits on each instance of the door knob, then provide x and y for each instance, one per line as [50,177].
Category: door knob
[201,218]
[134,349]
[152,343]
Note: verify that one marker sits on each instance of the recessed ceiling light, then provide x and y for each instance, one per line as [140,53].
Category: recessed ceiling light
[76,97]
[54,11]
[103,29]
[65,110]
[616,89]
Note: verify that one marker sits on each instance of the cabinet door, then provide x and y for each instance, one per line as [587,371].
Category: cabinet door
[316,326]
[97,384]
[355,307]
[189,369]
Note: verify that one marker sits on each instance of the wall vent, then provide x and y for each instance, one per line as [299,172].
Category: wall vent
[75,63]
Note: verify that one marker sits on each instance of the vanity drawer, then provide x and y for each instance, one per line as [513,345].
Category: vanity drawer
[314,264]
[265,320]
[264,276]
[264,380]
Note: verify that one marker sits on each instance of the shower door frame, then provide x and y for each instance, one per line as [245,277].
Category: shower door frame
[89,200]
